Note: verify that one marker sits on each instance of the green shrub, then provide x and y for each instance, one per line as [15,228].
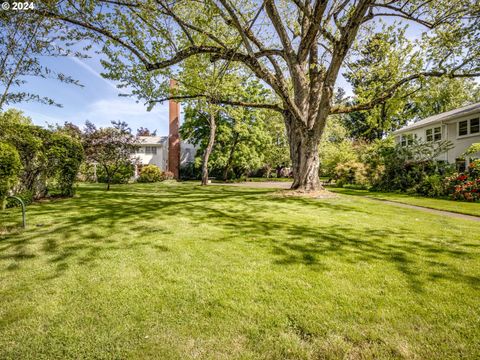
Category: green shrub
[150,174]
[9,170]
[65,155]
[433,186]
[122,176]
[352,173]
[26,196]
[49,158]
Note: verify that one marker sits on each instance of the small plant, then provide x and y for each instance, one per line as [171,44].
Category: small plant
[168,175]
[150,174]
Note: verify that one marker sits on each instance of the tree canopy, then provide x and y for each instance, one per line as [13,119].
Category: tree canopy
[297,48]
[25,38]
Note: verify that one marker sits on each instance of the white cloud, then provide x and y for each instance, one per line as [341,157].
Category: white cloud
[102,112]
[93,72]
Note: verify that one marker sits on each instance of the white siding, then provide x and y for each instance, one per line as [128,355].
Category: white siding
[159,159]
[449,132]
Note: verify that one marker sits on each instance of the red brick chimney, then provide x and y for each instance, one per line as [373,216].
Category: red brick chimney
[173,135]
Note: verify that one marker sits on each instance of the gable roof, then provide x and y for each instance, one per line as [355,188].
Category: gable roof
[152,140]
[448,115]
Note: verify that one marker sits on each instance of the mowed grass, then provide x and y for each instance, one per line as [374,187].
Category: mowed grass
[178,271]
[461,207]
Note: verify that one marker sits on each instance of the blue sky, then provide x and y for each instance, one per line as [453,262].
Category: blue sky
[97,101]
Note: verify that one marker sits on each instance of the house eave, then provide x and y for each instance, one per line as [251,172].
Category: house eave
[447,119]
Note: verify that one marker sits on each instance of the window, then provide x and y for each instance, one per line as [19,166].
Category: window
[140,150]
[434,134]
[463,128]
[151,150]
[474,126]
[429,134]
[407,139]
[469,127]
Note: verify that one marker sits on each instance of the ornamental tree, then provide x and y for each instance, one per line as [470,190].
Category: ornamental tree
[297,47]
[111,147]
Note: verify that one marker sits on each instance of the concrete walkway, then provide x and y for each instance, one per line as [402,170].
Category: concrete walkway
[286,185]
[431,211]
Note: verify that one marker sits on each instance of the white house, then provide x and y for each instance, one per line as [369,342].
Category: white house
[169,153]
[460,126]
[154,150]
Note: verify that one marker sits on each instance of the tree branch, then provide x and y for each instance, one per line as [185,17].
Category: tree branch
[98,30]
[313,29]
[340,109]
[274,16]
[214,100]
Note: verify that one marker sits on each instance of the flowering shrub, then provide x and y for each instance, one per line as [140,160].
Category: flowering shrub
[168,175]
[152,173]
[466,186]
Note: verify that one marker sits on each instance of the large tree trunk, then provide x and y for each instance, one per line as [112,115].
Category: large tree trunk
[208,149]
[304,155]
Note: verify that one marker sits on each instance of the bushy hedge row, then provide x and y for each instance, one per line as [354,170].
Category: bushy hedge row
[49,159]
[9,170]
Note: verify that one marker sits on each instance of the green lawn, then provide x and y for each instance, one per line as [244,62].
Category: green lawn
[169,271]
[462,207]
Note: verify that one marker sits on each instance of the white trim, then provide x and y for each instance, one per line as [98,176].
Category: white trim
[439,126]
[445,117]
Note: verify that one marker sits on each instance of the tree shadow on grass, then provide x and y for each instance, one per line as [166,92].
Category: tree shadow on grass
[74,231]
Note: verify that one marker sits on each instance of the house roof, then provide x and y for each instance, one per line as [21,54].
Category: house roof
[448,115]
[152,140]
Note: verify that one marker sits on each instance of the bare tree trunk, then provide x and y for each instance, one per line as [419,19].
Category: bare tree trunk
[230,157]
[209,148]
[109,177]
[304,155]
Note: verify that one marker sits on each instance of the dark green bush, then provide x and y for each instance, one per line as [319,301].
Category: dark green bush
[50,159]
[65,155]
[433,186]
[26,196]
